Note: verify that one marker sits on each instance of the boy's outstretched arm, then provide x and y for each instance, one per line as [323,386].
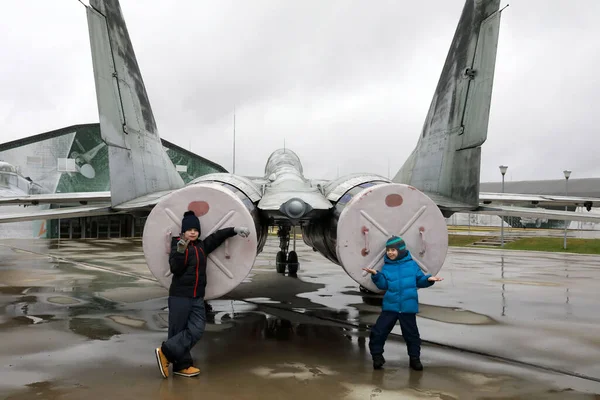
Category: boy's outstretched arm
[423,280]
[217,238]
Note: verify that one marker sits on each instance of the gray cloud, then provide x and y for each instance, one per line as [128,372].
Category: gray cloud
[345,84]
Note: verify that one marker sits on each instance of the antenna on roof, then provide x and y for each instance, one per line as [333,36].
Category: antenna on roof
[233,169]
[388,168]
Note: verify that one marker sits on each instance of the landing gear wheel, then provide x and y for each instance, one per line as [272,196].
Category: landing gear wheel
[293,263]
[280,262]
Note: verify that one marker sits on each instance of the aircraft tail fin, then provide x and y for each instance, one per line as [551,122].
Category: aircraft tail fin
[137,161]
[447,160]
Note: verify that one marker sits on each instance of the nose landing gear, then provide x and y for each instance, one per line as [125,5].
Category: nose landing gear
[284,258]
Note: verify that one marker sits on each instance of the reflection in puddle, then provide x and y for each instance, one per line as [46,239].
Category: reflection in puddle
[35,320]
[293,370]
[454,315]
[92,328]
[47,390]
[63,300]
[24,320]
[451,315]
[363,391]
[262,300]
[127,321]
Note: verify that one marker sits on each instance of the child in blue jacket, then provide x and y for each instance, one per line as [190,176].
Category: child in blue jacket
[400,277]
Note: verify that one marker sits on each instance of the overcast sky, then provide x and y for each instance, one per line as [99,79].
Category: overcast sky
[346,84]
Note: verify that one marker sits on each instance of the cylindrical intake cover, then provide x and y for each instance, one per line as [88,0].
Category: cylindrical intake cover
[217,208]
[380,211]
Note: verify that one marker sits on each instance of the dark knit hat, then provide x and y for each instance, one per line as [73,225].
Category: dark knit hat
[190,221]
[396,242]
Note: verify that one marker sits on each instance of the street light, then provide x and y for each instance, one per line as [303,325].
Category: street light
[567,175]
[503,169]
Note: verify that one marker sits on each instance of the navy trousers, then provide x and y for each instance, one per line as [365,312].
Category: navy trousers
[384,325]
[187,320]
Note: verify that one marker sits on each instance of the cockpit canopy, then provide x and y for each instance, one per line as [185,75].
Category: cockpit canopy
[281,157]
[6,167]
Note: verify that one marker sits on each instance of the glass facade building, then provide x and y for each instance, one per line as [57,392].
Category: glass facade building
[75,159]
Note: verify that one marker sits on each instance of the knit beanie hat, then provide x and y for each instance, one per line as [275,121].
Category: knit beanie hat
[190,221]
[396,242]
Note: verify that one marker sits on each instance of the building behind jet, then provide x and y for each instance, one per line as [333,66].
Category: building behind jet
[74,159]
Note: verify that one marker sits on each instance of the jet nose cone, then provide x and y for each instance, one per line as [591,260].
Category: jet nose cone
[295,208]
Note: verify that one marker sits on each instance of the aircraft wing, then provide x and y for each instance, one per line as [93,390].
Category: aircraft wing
[101,205]
[148,200]
[56,213]
[537,199]
[511,211]
[447,204]
[56,198]
[508,205]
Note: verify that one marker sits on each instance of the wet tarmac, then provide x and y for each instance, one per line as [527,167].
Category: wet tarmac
[80,319]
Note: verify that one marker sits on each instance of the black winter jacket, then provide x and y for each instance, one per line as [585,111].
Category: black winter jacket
[189,268]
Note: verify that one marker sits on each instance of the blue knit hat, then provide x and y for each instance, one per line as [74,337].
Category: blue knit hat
[396,242]
[190,221]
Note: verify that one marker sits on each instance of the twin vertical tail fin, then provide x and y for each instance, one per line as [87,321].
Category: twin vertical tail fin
[137,161]
[447,160]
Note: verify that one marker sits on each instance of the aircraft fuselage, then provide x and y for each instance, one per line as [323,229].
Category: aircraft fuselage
[288,196]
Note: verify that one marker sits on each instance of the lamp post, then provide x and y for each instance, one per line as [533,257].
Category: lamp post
[567,175]
[503,169]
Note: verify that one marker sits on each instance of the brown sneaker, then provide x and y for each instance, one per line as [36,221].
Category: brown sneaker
[189,372]
[163,363]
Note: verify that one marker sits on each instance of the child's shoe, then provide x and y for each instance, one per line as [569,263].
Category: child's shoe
[415,363]
[163,363]
[378,361]
[188,372]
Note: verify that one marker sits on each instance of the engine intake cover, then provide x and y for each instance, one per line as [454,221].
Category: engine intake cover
[378,212]
[217,208]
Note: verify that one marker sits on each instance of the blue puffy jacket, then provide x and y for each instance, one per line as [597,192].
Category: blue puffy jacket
[401,278]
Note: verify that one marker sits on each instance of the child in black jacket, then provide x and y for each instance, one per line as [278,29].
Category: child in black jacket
[187,315]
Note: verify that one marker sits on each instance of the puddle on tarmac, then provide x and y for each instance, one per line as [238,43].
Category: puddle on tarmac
[262,300]
[92,328]
[363,391]
[293,370]
[127,321]
[47,390]
[35,320]
[24,320]
[63,300]
[133,294]
[453,315]
[13,290]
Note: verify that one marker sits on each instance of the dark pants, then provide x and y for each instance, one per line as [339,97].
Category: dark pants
[187,319]
[384,325]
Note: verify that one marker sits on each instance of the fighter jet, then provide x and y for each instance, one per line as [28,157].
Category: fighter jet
[12,182]
[347,220]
